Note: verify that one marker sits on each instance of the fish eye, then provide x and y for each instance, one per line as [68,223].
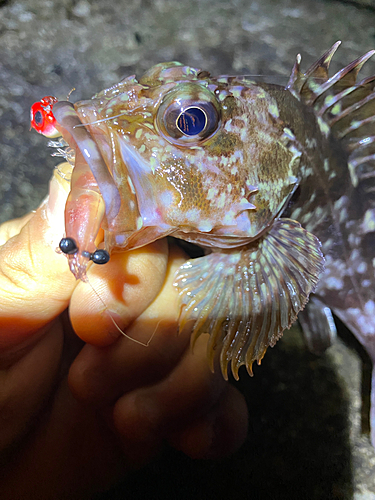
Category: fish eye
[188,115]
[191,121]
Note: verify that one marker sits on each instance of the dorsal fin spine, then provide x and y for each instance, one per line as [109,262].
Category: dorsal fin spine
[305,86]
[350,109]
[345,105]
[355,126]
[319,69]
[334,99]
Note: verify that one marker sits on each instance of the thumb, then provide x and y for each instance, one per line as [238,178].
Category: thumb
[35,281]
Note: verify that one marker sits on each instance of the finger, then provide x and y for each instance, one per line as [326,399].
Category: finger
[35,281]
[188,392]
[13,227]
[101,375]
[118,292]
[218,433]
[147,415]
[26,382]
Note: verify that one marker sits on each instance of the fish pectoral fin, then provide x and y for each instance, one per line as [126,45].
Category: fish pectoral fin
[245,299]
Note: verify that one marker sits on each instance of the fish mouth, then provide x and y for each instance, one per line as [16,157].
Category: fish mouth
[121,175]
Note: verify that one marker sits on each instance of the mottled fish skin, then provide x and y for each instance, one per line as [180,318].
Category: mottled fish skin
[336,196]
[268,160]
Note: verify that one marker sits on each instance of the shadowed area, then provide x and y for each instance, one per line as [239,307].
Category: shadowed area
[297,445]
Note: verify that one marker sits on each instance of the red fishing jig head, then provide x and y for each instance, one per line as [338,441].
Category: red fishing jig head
[41,117]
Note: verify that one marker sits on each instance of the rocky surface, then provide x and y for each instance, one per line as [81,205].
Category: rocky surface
[307,413]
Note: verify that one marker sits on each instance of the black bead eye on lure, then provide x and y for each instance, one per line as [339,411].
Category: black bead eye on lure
[100,256]
[69,247]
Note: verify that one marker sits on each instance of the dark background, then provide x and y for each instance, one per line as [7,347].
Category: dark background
[307,413]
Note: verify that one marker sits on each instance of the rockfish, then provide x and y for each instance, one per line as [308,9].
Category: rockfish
[277,184]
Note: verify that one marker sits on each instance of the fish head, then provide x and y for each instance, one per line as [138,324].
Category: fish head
[197,155]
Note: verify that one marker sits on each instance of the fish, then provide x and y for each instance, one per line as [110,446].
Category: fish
[275,183]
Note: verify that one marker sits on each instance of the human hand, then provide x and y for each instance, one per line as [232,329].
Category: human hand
[75,416]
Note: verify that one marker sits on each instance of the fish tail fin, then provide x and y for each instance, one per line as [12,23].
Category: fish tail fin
[346,106]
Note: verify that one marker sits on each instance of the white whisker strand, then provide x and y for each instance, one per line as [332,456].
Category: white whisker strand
[108,118]
[70,93]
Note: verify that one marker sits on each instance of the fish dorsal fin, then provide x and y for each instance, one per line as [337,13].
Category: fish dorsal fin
[346,106]
[304,85]
[246,298]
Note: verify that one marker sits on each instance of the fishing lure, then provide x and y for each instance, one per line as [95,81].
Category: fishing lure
[267,179]
[42,119]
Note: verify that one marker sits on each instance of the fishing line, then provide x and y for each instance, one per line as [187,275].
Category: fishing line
[116,325]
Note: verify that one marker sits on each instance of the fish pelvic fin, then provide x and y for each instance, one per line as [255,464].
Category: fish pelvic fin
[244,299]
[318,326]
[346,106]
